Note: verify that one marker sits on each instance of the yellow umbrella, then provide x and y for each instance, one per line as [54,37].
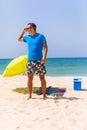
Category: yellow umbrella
[16,66]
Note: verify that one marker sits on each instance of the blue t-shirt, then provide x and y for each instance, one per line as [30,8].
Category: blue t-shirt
[35,46]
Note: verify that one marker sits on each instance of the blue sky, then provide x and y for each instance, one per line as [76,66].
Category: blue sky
[63,22]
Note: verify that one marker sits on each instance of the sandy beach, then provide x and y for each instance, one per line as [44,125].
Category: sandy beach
[66,113]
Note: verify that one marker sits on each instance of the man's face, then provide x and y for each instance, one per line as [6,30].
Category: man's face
[30,29]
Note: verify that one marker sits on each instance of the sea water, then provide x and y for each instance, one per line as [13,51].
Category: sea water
[58,66]
[67,66]
[3,64]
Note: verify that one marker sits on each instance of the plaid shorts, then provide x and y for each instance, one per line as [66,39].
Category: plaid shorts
[35,67]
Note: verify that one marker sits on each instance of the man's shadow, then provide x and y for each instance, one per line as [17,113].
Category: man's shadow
[54,92]
[83,89]
[59,93]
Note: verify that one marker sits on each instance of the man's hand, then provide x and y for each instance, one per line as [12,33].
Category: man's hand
[43,61]
[25,29]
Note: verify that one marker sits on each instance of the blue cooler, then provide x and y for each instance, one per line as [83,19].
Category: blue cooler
[77,84]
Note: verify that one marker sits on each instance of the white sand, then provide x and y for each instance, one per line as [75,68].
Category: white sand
[66,113]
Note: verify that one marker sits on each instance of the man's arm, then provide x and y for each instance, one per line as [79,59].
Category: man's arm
[20,38]
[44,53]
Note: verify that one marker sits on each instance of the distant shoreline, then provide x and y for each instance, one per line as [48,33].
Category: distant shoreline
[47,57]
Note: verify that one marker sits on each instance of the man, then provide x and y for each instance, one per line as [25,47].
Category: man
[37,52]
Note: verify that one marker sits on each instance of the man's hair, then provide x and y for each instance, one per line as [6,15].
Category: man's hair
[32,25]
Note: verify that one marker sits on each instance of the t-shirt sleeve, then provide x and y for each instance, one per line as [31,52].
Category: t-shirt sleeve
[24,38]
[43,39]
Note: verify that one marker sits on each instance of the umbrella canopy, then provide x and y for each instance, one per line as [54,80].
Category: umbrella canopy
[16,66]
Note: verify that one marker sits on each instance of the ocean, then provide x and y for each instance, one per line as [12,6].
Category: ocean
[59,66]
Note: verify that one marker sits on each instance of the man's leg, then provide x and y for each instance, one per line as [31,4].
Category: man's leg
[29,84]
[43,84]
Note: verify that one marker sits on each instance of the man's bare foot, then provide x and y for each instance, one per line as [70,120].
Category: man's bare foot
[29,97]
[45,97]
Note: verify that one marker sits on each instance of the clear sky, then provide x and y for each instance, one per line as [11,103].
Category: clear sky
[63,22]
